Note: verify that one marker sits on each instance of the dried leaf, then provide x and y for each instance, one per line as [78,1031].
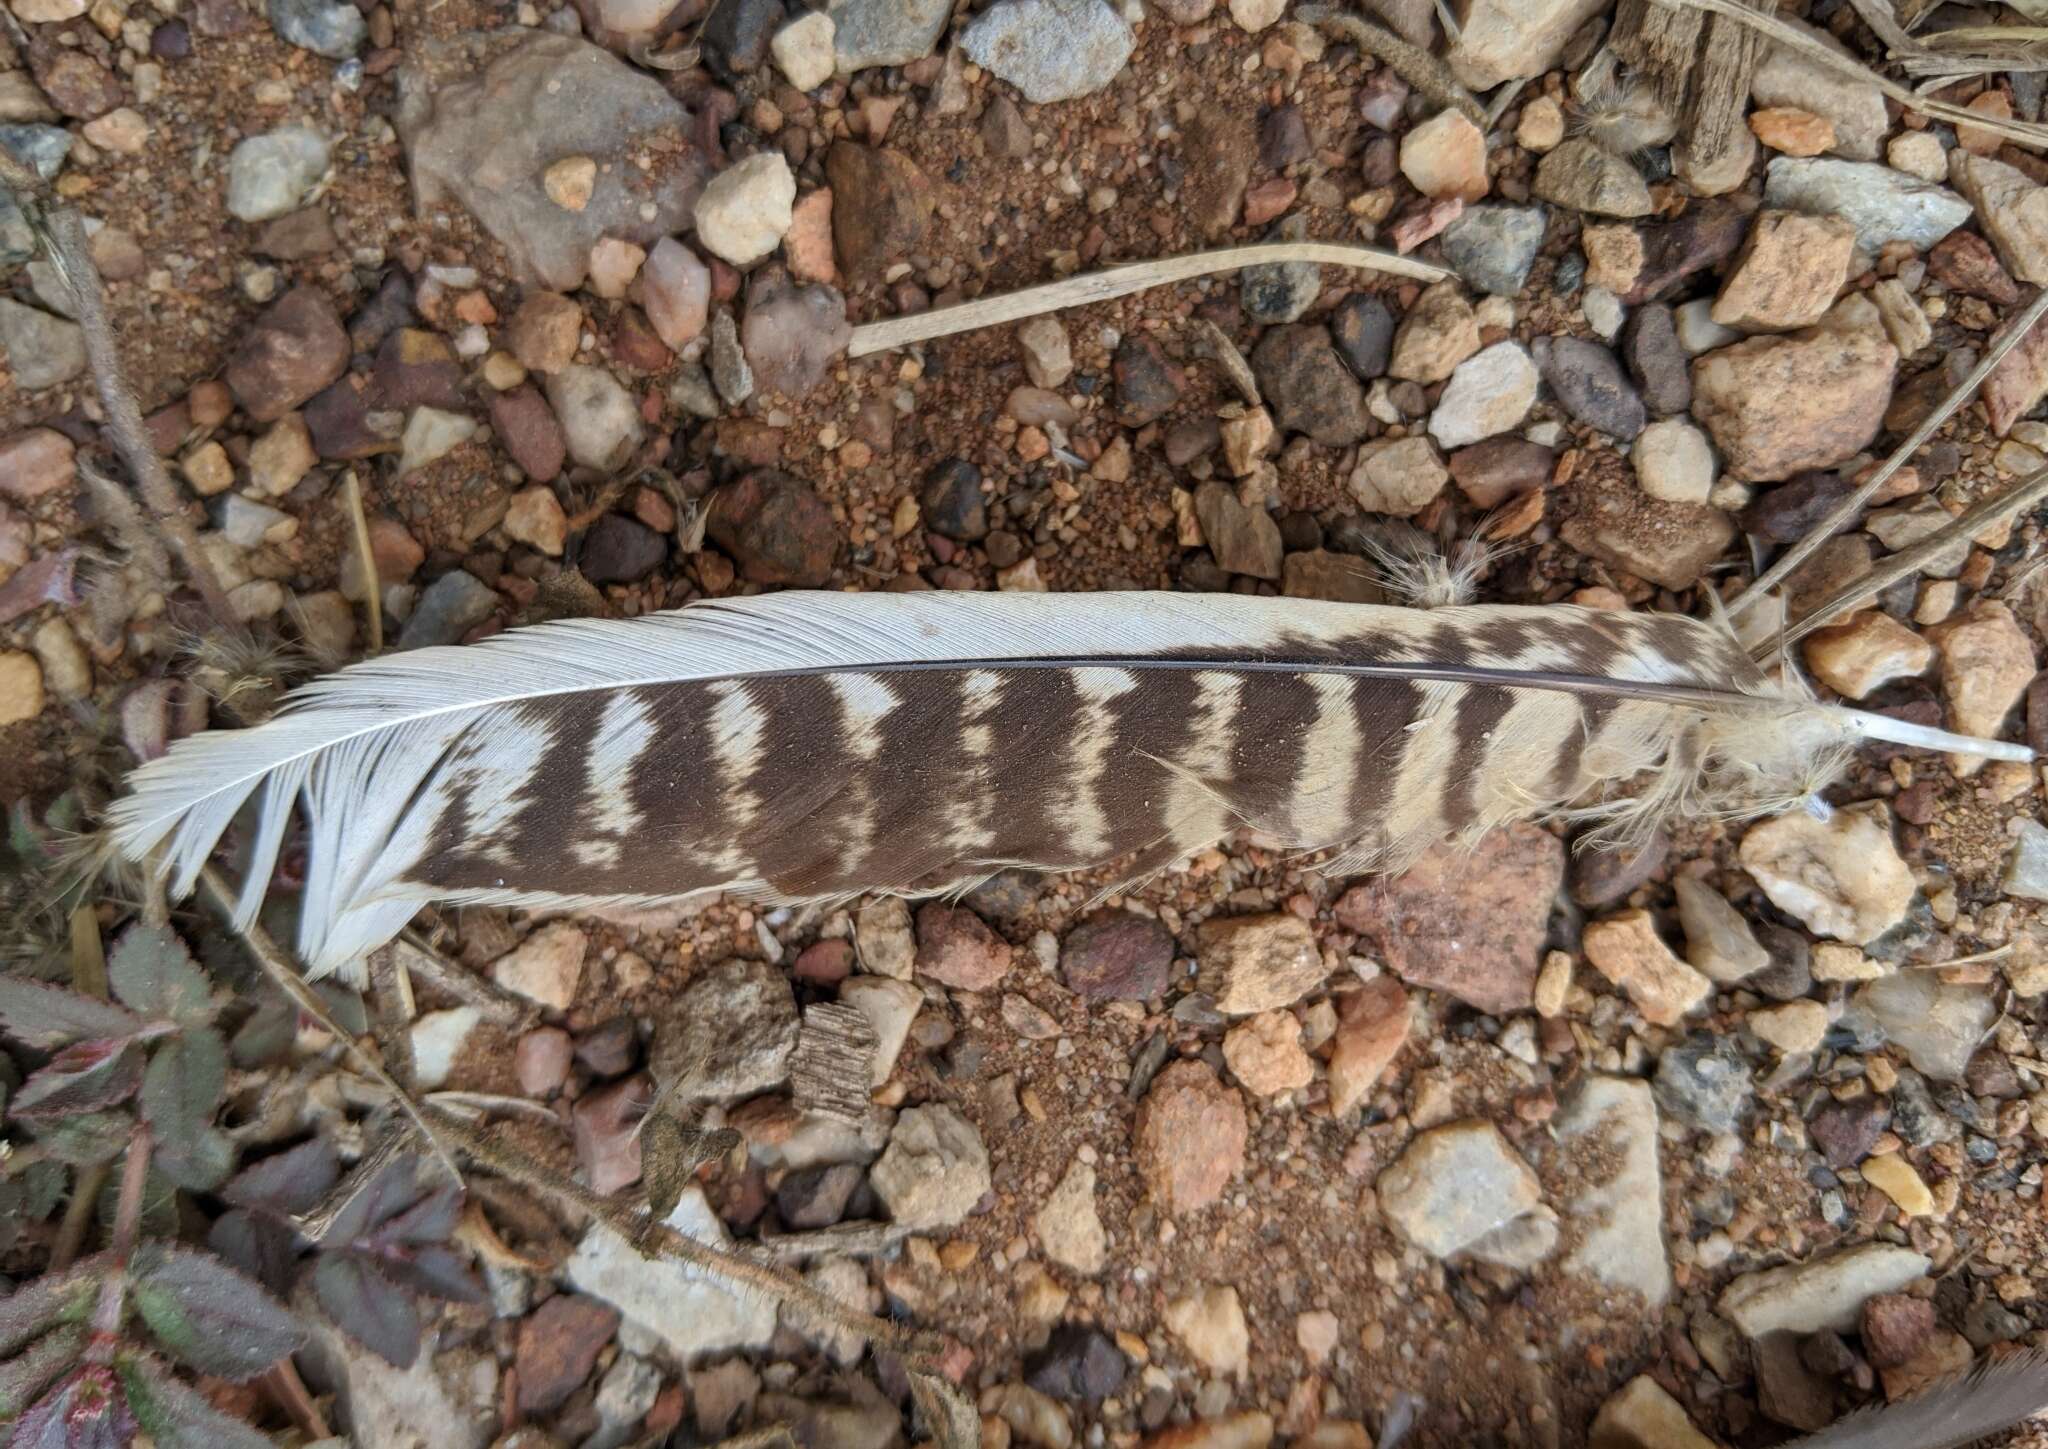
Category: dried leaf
[208,1315]
[368,1307]
[46,1302]
[187,1077]
[87,1410]
[175,1416]
[29,1372]
[48,1017]
[87,1140]
[89,1076]
[150,971]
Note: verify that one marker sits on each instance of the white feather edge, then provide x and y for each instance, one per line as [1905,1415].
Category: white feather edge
[355,746]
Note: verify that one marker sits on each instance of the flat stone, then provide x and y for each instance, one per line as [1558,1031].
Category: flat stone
[1373,1025]
[1051,50]
[1936,1025]
[271,175]
[1822,1293]
[1307,385]
[1842,876]
[447,609]
[546,967]
[890,1007]
[1608,1133]
[1243,540]
[1627,950]
[1445,156]
[1467,921]
[1493,247]
[1854,108]
[1068,1227]
[1882,204]
[1514,39]
[1580,176]
[1453,1185]
[1718,941]
[600,420]
[1491,392]
[1251,964]
[1795,1026]
[2011,208]
[870,33]
[934,1170]
[1210,1325]
[1644,1416]
[729,1034]
[41,350]
[1590,383]
[1437,333]
[690,1313]
[1398,477]
[1775,406]
[1265,1054]
[792,334]
[1865,652]
[1987,662]
[1788,273]
[2026,871]
[1189,1137]
[1658,359]
[483,118]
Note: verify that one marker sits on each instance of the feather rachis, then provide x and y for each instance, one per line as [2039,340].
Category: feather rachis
[804,747]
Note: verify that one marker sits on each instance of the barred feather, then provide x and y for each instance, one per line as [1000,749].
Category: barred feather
[807,747]
[1966,1409]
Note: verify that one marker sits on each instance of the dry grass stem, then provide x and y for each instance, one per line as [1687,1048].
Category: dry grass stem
[366,559]
[1122,281]
[1844,513]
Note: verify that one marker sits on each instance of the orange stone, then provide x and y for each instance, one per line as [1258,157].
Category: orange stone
[1793,131]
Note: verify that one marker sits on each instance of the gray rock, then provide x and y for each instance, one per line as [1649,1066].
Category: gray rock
[40,148]
[792,334]
[1936,1026]
[1051,50]
[1608,1132]
[730,373]
[1518,1244]
[17,237]
[599,418]
[628,1390]
[885,32]
[437,1402]
[678,1307]
[1275,292]
[1581,177]
[483,117]
[447,609]
[272,175]
[1454,1185]
[328,28]
[1882,204]
[1493,247]
[1822,1293]
[2026,874]
[1589,381]
[41,350]
[934,1170]
[728,1034]
[1704,1082]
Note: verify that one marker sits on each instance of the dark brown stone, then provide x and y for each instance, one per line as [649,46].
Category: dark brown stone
[1501,468]
[1845,1131]
[1964,262]
[881,206]
[558,1346]
[1308,386]
[1707,234]
[776,529]
[306,233]
[531,433]
[295,349]
[416,368]
[1218,148]
[1147,383]
[1896,1327]
[1117,956]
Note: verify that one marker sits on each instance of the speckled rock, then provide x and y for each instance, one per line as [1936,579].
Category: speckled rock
[1051,50]
[1454,1184]
[1189,1139]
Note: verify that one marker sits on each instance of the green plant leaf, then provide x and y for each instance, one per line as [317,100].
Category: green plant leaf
[89,1076]
[187,1077]
[175,1416]
[48,1017]
[86,1410]
[207,1315]
[87,1140]
[49,1301]
[368,1307]
[150,970]
[29,1372]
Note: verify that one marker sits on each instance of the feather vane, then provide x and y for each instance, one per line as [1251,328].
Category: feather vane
[803,747]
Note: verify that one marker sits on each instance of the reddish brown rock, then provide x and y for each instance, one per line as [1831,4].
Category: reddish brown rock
[1190,1137]
[295,349]
[1494,471]
[531,433]
[777,530]
[35,463]
[1219,146]
[882,206]
[1810,399]
[541,1060]
[956,948]
[1117,956]
[1371,1030]
[1964,262]
[824,963]
[1470,923]
[604,1125]
[558,1346]
[75,83]
[2021,378]
[1896,1326]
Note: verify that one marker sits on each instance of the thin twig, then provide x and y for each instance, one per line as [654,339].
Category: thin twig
[278,967]
[1844,513]
[106,1313]
[2027,493]
[1121,281]
[2028,133]
[499,1006]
